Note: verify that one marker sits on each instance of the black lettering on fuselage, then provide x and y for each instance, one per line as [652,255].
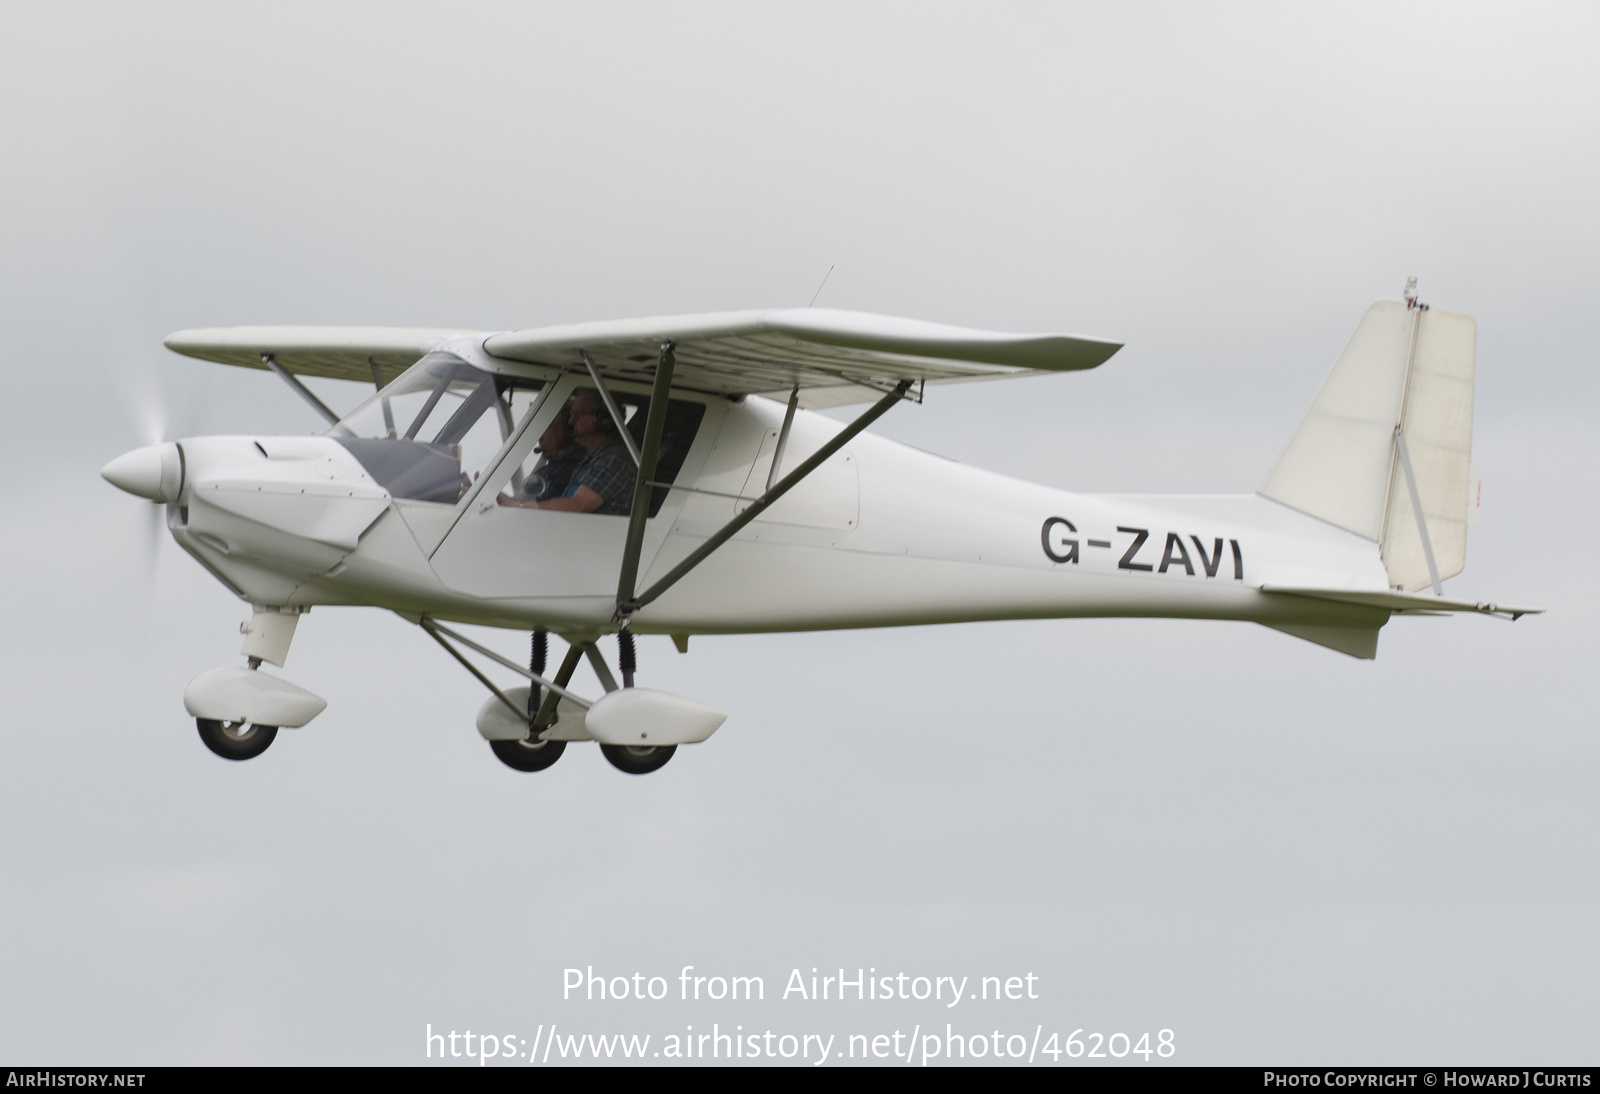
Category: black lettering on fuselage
[1238,560]
[1070,545]
[1168,558]
[1139,536]
[1209,562]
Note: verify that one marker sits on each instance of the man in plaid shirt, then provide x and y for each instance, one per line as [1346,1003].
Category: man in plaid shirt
[603,482]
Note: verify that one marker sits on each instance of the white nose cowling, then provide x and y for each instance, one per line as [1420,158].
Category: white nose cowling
[154,471]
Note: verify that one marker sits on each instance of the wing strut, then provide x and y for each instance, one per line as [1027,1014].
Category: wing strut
[654,423]
[783,437]
[378,382]
[300,389]
[611,407]
[627,605]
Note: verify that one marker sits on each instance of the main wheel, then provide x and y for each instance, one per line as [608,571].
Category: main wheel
[638,761]
[528,755]
[235,740]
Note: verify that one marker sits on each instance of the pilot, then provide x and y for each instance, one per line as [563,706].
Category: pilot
[603,482]
[562,455]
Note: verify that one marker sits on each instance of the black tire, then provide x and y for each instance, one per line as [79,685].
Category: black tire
[235,740]
[638,761]
[528,755]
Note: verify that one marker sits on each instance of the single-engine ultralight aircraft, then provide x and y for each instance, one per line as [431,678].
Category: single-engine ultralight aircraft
[669,476]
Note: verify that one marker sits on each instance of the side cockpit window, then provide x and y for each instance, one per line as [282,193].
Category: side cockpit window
[575,449]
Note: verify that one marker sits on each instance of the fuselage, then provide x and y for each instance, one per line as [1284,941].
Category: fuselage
[880,535]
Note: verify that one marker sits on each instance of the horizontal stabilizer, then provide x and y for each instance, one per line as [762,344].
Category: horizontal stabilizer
[1404,603]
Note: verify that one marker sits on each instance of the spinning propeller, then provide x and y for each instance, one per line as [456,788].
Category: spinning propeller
[154,471]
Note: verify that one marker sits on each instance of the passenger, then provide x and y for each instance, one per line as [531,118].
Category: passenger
[603,482]
[562,455]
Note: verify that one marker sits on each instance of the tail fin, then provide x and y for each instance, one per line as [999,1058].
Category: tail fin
[1384,451]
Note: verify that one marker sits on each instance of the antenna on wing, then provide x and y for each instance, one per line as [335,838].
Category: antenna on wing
[819,287]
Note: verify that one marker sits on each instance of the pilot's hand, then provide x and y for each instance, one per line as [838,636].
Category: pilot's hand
[515,503]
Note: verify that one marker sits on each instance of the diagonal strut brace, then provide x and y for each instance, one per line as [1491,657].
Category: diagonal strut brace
[655,422]
[627,604]
[611,407]
[546,715]
[555,690]
[300,389]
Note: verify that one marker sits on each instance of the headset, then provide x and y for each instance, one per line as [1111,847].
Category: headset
[563,420]
[603,421]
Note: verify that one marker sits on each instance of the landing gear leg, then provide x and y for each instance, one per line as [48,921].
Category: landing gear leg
[546,716]
[530,753]
[267,636]
[629,758]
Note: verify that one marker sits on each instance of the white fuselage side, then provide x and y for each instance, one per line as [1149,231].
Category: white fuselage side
[881,535]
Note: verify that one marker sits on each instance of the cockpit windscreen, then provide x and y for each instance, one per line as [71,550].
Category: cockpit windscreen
[429,434]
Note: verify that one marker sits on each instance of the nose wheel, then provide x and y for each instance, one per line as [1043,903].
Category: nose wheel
[235,740]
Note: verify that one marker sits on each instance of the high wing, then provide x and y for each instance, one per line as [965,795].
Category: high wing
[339,353]
[835,357]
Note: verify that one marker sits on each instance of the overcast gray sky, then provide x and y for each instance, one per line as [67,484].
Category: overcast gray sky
[1281,854]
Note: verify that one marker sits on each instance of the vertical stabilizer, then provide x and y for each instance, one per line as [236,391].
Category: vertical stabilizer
[1337,464]
[1343,464]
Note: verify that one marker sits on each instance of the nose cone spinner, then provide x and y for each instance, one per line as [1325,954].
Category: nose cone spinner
[154,471]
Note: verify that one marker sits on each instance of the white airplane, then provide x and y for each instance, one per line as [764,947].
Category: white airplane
[668,476]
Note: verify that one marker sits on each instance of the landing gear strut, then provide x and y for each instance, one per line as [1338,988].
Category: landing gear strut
[523,740]
[633,759]
[226,702]
[530,753]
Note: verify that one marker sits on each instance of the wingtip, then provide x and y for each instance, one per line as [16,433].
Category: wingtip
[182,341]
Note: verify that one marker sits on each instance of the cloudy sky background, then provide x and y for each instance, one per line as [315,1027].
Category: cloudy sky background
[1281,854]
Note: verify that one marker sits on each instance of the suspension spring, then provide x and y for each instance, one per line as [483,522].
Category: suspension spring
[625,656]
[536,660]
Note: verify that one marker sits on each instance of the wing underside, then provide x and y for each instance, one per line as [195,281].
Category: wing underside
[834,357]
[338,353]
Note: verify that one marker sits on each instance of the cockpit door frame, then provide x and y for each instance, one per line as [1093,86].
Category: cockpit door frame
[597,532]
[551,397]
